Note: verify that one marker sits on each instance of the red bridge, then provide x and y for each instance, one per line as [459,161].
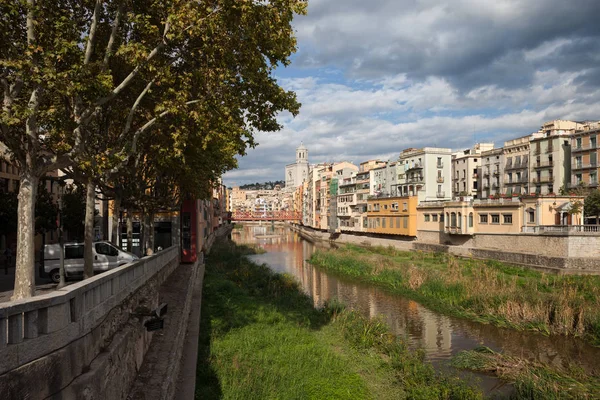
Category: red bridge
[266,216]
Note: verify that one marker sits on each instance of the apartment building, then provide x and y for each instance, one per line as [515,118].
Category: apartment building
[516,166]
[425,173]
[393,215]
[584,156]
[349,217]
[465,170]
[384,179]
[490,181]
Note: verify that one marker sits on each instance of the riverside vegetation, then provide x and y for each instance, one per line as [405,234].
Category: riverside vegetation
[484,291]
[488,292]
[261,338]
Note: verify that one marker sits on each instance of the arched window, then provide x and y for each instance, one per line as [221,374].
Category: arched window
[452,219]
[459,221]
[470,220]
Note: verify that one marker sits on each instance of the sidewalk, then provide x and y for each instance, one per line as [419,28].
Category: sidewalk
[7,284]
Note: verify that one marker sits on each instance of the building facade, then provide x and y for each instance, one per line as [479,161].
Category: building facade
[425,173]
[296,173]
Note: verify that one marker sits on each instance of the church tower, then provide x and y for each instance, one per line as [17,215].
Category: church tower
[296,173]
[301,154]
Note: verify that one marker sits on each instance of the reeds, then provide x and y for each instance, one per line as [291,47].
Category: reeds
[484,290]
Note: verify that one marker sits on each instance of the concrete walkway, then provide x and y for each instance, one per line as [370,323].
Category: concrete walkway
[172,350]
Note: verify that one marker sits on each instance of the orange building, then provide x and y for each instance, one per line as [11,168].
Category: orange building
[392,215]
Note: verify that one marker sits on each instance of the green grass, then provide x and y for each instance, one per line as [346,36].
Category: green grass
[261,338]
[531,380]
[484,291]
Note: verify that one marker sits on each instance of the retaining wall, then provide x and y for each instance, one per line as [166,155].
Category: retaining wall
[564,252]
[81,341]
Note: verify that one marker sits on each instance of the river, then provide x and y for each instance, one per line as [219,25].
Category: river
[438,335]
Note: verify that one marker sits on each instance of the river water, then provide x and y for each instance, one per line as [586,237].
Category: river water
[439,336]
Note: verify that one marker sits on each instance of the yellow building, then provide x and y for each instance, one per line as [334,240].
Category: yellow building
[393,215]
[503,215]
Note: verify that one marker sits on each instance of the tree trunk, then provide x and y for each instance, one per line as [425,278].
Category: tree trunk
[151,232]
[25,258]
[129,231]
[114,238]
[88,255]
[148,234]
[143,232]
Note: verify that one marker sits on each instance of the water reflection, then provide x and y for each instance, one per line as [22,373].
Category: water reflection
[439,336]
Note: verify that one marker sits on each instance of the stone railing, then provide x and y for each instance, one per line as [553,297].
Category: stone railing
[34,327]
[561,229]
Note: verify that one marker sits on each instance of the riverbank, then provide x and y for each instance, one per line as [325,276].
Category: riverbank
[483,291]
[262,338]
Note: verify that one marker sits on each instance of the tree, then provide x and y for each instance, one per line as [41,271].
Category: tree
[592,204]
[85,82]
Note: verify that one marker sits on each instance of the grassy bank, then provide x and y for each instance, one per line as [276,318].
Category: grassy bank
[261,338]
[484,291]
[531,380]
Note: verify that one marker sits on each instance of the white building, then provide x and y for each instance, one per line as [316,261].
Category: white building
[425,173]
[297,173]
[466,165]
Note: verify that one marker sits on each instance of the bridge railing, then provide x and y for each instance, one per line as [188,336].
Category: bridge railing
[31,328]
[266,215]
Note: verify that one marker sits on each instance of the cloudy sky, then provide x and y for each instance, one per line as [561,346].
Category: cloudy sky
[377,76]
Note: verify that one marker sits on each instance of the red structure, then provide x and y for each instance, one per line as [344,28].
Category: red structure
[266,216]
[189,231]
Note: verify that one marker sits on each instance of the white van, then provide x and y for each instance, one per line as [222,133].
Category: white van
[106,257]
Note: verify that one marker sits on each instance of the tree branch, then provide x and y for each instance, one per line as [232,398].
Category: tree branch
[133,108]
[89,48]
[113,35]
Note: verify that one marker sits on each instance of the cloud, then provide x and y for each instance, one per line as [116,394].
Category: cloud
[376,77]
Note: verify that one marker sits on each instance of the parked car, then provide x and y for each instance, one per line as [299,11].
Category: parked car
[106,257]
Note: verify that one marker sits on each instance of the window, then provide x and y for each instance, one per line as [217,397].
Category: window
[395,206]
[385,206]
[453,219]
[404,206]
[405,222]
[383,226]
[593,142]
[578,143]
[369,207]
[495,218]
[378,223]
[439,162]
[397,222]
[531,217]
[434,217]
[75,251]
[442,217]
[427,217]
[507,218]
[470,220]
[106,249]
[483,218]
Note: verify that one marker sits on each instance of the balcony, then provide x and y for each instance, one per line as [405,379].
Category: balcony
[417,165]
[585,166]
[456,230]
[440,195]
[544,164]
[496,172]
[475,175]
[486,185]
[550,149]
[537,151]
[595,229]
[495,185]
[516,165]
[591,146]
[440,179]
[415,179]
[486,173]
[440,165]
[543,179]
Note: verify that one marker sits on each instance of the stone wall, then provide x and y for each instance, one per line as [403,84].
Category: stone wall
[81,341]
[565,253]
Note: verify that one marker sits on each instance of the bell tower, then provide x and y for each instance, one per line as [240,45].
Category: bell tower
[301,154]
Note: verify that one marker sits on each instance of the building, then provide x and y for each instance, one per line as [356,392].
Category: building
[465,170]
[296,173]
[393,215]
[515,177]
[510,215]
[584,154]
[425,173]
[490,174]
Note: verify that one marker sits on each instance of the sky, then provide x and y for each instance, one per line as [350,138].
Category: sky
[375,77]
